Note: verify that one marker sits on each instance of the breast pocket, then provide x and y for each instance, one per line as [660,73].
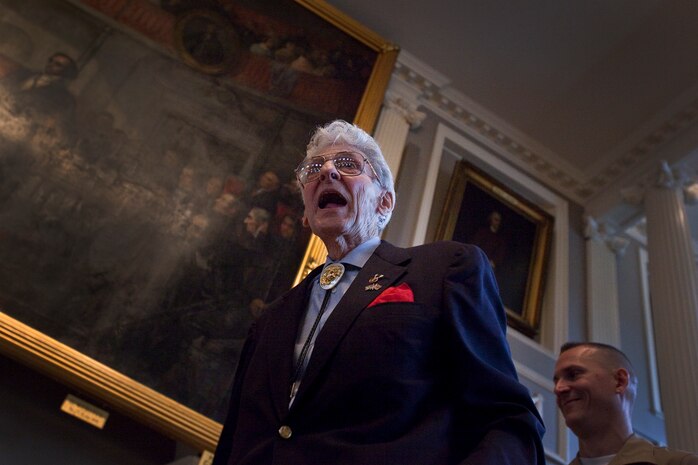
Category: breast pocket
[391,340]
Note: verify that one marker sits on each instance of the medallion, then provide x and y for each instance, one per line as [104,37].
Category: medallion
[331,275]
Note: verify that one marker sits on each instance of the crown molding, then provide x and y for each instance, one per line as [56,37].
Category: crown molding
[419,70]
[546,166]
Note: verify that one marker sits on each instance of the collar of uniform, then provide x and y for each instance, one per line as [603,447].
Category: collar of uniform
[637,449]
[634,450]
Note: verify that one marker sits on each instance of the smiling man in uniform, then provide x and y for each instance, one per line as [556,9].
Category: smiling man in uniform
[595,385]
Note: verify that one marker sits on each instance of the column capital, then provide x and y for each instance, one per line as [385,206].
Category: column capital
[408,111]
[668,177]
[404,99]
[602,232]
[592,228]
[665,177]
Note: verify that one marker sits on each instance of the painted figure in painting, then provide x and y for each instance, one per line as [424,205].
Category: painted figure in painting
[42,96]
[490,240]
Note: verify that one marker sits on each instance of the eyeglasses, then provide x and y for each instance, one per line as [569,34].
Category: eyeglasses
[347,163]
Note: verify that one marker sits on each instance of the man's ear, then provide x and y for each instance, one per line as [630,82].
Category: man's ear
[386,203]
[622,378]
[304,222]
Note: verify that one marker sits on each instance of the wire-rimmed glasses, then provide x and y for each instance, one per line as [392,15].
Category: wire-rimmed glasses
[346,163]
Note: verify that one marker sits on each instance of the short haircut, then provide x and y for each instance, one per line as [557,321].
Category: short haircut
[612,356]
[340,131]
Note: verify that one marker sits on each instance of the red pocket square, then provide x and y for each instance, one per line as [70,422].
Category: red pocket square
[401,293]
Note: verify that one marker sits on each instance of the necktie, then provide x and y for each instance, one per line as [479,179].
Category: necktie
[329,278]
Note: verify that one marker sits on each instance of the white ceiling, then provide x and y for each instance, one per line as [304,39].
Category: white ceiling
[588,81]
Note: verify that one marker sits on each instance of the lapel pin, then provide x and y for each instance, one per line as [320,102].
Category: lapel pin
[373,283]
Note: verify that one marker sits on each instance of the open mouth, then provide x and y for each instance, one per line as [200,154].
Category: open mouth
[331,199]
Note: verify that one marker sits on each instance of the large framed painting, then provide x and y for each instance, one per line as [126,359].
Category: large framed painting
[148,208]
[514,233]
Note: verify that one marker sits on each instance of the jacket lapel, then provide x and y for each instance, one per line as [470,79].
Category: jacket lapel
[282,332]
[388,261]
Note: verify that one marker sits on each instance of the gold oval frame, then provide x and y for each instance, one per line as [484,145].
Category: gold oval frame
[230,44]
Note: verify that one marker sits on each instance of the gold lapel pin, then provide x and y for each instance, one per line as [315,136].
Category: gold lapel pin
[373,283]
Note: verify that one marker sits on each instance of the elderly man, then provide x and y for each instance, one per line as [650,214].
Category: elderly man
[595,387]
[384,355]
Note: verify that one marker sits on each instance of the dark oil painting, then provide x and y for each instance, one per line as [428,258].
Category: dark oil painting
[148,207]
[514,233]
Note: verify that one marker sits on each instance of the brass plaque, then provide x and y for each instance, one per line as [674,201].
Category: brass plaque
[85,411]
[206,458]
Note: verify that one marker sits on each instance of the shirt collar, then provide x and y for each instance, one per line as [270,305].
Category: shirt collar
[360,254]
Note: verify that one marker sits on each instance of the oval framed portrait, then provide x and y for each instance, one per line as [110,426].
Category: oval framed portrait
[207,41]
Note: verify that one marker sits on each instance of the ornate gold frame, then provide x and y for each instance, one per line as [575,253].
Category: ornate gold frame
[528,319]
[75,369]
[369,108]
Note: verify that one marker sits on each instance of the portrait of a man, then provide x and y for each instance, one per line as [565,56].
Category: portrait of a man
[489,239]
[513,233]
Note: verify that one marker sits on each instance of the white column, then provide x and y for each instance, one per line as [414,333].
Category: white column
[602,250]
[674,294]
[398,116]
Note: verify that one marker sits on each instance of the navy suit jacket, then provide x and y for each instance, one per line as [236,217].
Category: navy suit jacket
[398,383]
